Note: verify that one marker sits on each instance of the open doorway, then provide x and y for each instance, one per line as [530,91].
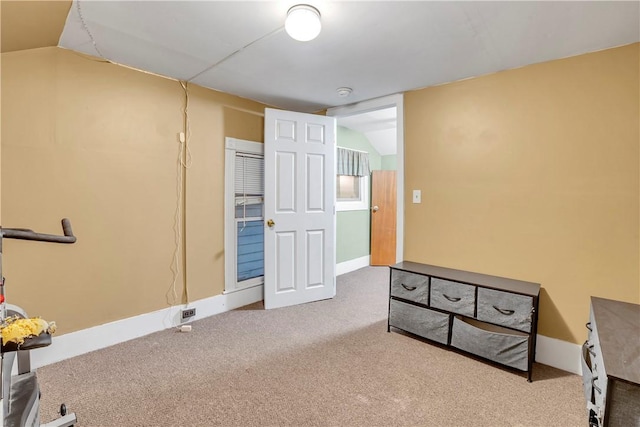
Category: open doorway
[372,234]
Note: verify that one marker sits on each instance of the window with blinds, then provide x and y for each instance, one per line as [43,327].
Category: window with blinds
[249,215]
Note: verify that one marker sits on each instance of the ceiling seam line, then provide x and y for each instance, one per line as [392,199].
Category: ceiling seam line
[86,28]
[211,67]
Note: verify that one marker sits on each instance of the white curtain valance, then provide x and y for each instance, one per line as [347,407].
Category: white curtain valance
[353,163]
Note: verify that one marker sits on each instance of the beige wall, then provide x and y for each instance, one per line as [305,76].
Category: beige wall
[29,24]
[532,174]
[97,143]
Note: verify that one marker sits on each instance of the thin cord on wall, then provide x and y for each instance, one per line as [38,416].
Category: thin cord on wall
[184,162]
[171,295]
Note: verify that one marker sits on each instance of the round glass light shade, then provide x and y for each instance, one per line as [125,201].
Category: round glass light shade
[303,22]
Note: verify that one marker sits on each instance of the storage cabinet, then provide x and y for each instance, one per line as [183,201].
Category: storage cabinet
[611,363]
[492,317]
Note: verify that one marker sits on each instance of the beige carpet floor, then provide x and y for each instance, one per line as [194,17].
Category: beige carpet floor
[328,363]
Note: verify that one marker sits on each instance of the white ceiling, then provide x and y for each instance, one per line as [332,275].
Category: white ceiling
[376,48]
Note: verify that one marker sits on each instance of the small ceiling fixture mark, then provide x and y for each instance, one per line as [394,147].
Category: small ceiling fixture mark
[343,92]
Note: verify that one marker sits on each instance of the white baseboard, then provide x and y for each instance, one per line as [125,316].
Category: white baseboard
[352,265]
[559,354]
[98,337]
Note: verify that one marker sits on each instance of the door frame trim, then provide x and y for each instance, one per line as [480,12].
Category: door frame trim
[397,101]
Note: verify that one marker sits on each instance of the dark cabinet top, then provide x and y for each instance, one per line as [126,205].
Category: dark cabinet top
[495,282]
[618,326]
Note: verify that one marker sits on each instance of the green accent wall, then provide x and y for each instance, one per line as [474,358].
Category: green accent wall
[352,235]
[352,227]
[390,162]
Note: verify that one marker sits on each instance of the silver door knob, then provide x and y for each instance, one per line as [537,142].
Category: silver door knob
[375,209]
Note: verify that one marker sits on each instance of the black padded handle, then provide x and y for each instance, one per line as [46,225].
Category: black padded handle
[26,234]
[504,311]
[66,229]
[409,288]
[30,343]
[452,299]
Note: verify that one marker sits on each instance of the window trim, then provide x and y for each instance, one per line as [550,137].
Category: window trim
[356,205]
[232,146]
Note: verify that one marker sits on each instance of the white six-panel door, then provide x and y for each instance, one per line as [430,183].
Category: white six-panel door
[299,243]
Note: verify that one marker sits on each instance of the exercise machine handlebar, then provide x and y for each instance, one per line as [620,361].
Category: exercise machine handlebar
[26,234]
[19,394]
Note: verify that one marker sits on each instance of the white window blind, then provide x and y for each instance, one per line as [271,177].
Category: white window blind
[249,193]
[249,177]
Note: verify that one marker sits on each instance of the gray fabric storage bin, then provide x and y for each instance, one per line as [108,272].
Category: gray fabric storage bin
[410,286]
[491,342]
[453,296]
[420,321]
[506,309]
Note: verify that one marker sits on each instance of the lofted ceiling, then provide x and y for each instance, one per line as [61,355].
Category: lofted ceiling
[376,48]
[379,126]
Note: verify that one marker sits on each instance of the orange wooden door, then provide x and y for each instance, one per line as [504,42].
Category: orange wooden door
[383,217]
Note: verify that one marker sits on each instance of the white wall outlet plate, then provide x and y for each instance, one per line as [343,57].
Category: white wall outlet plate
[417,196]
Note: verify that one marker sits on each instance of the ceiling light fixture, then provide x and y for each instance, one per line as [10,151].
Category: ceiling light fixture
[343,92]
[303,22]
